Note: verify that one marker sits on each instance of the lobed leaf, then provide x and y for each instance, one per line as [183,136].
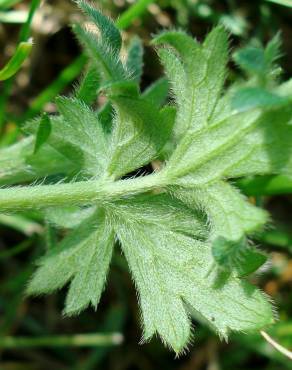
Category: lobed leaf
[171,271]
[194,220]
[266,149]
[230,218]
[199,153]
[230,215]
[197,77]
[260,62]
[83,258]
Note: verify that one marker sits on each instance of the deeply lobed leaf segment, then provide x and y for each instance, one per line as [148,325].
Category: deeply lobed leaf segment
[183,229]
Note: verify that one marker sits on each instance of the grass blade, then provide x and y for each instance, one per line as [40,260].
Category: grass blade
[135,11]
[4,4]
[22,52]
[78,340]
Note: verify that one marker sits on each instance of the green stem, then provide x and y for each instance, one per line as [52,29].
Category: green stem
[132,13]
[78,193]
[25,30]
[79,340]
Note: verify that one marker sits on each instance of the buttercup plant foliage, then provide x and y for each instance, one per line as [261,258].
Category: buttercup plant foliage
[184,228]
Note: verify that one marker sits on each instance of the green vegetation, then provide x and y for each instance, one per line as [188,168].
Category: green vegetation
[162,173]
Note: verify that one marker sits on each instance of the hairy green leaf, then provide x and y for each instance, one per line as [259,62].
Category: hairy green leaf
[83,258]
[230,217]
[171,272]
[197,75]
[140,131]
[103,57]
[198,151]
[18,164]
[108,30]
[81,129]
[87,90]
[134,63]
[260,62]
[236,255]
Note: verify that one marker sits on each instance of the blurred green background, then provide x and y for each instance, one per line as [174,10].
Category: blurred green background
[109,338]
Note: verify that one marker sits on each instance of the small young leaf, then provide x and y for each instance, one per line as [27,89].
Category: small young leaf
[259,61]
[134,63]
[107,62]
[140,131]
[251,59]
[88,87]
[237,255]
[109,32]
[43,132]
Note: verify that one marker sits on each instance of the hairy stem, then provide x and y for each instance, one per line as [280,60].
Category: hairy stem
[78,193]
